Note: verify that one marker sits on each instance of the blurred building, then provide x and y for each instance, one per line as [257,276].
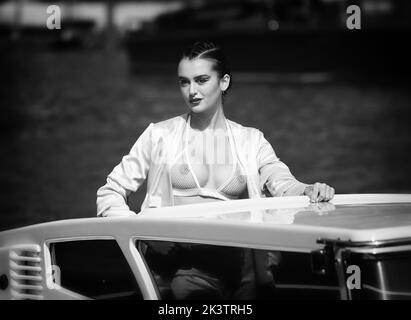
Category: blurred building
[26,19]
[129,14]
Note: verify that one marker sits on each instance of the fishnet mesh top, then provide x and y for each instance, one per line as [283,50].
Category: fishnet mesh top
[188,180]
[184,183]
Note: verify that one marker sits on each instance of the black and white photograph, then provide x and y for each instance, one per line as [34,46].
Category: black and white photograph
[217,152]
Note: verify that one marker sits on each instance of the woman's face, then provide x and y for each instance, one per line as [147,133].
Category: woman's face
[200,84]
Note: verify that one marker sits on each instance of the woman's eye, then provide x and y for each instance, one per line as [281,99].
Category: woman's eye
[183,83]
[202,80]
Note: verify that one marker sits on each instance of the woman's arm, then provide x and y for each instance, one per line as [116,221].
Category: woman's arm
[125,178]
[276,177]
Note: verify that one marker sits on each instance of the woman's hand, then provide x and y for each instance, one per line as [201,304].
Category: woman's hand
[318,192]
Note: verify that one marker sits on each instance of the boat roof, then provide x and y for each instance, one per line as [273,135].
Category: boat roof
[359,211]
[366,213]
[287,221]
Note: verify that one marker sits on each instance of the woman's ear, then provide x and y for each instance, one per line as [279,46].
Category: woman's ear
[225,82]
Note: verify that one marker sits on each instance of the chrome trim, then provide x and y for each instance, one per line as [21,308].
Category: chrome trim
[386,292]
[339,262]
[364,244]
[142,273]
[305,287]
[381,250]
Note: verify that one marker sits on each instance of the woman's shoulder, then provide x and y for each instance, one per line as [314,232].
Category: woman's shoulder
[242,128]
[168,126]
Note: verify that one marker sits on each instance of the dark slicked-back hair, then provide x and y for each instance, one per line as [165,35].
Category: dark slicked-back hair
[209,50]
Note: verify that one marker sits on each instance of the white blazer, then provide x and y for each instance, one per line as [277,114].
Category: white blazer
[154,151]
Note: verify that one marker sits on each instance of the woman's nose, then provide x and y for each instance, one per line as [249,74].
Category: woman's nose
[192,89]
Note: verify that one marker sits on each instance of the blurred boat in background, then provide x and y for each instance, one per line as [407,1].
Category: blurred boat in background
[282,37]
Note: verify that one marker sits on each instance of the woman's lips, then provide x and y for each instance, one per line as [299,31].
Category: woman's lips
[195,101]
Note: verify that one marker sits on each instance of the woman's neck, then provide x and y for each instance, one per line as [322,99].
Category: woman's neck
[212,120]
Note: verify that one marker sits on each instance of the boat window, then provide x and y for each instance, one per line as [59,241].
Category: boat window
[295,278]
[383,276]
[202,271]
[94,268]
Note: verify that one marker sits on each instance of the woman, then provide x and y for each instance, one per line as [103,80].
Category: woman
[201,156]
[176,176]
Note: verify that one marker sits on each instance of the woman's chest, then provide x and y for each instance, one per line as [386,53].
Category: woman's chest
[207,161]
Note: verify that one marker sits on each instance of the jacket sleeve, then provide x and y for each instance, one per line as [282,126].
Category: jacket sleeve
[275,176]
[125,178]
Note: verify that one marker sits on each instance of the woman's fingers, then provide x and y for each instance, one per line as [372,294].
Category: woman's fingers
[327,193]
[321,192]
[314,194]
[332,193]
